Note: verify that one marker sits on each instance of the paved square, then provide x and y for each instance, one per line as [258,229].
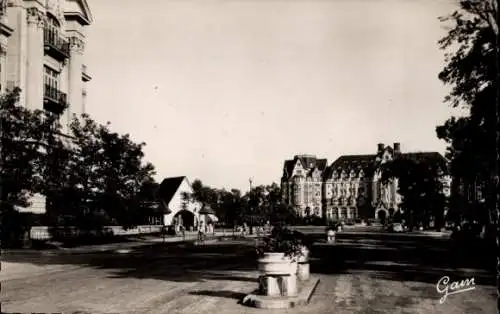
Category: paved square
[208,280]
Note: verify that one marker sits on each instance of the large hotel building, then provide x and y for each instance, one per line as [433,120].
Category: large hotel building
[42,45]
[349,188]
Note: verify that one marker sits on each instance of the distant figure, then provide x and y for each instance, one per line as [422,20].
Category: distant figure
[210,228]
[201,231]
[330,236]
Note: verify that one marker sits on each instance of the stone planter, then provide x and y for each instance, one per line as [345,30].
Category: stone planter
[279,275]
[294,267]
[275,264]
[303,271]
[303,265]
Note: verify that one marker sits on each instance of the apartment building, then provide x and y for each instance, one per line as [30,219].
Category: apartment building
[42,49]
[350,187]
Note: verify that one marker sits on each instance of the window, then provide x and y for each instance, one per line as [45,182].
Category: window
[52,30]
[51,78]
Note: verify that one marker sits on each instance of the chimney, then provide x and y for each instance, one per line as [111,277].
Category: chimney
[380,147]
[397,148]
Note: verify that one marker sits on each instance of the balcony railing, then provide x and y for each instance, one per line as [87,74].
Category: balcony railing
[55,45]
[54,100]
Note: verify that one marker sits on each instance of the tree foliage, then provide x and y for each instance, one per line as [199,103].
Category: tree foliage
[90,177]
[471,71]
[30,148]
[22,150]
[420,188]
[105,177]
[473,74]
[256,207]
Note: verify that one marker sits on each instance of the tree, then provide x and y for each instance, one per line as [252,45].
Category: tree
[205,195]
[420,188]
[284,214]
[230,206]
[472,72]
[23,146]
[148,198]
[75,204]
[104,179]
[21,149]
[260,203]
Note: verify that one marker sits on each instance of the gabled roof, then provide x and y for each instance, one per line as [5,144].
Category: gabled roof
[79,10]
[169,187]
[308,162]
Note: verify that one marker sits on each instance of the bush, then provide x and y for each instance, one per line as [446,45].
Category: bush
[284,240]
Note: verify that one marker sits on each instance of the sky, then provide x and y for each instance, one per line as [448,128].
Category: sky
[227,90]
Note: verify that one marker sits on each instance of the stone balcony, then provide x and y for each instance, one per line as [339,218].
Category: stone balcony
[55,45]
[54,100]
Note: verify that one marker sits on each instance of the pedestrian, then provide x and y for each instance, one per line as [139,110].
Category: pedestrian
[201,231]
[330,235]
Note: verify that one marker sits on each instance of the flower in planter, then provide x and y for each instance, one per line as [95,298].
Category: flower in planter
[284,240]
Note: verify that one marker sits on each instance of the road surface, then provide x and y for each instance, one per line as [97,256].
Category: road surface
[212,279]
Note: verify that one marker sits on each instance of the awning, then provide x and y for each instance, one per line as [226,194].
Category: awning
[212,217]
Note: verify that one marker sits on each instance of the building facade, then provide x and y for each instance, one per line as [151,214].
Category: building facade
[42,47]
[302,184]
[350,187]
[177,208]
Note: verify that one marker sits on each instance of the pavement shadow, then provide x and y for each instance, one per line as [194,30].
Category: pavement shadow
[421,259]
[393,257]
[178,262]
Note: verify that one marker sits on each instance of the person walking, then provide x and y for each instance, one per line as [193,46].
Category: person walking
[201,231]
